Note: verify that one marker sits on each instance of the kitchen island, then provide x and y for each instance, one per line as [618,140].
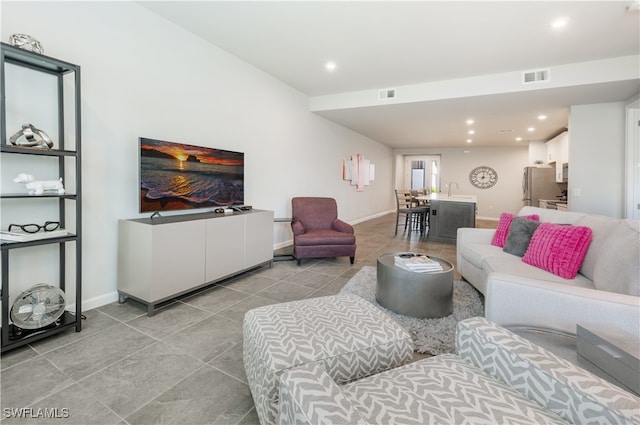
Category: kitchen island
[448,213]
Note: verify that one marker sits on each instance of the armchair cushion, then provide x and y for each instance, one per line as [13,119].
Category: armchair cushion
[325,237]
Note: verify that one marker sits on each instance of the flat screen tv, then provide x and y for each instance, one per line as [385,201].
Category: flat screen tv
[177,176]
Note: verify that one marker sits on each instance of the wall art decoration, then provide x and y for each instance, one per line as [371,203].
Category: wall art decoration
[359,171]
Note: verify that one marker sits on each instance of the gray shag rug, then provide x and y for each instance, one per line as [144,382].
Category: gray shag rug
[432,336]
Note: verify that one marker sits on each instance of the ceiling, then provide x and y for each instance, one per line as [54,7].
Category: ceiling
[426,45]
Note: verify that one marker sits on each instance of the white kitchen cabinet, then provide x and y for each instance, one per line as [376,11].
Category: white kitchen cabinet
[552,150]
[558,153]
[162,258]
[564,148]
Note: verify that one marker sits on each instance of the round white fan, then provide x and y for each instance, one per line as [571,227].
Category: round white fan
[38,306]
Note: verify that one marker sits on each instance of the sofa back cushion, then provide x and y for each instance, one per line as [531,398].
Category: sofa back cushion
[504,224]
[559,249]
[553,216]
[601,227]
[617,267]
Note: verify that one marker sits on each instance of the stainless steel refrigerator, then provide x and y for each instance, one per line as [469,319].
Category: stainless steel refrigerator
[539,183]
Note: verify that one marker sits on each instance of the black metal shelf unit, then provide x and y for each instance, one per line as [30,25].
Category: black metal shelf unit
[12,336]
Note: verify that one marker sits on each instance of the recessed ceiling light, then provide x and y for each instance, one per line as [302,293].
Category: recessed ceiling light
[469,140]
[559,23]
[530,129]
[518,139]
[330,66]
[471,132]
[470,121]
[542,117]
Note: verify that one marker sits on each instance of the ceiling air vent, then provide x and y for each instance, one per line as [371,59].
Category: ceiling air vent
[387,94]
[535,76]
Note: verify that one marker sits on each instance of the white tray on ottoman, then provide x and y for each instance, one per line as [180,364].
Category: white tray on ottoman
[348,336]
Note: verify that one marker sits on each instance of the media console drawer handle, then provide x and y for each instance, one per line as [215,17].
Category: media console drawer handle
[610,351]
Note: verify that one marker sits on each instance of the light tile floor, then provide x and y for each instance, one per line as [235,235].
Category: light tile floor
[184,364]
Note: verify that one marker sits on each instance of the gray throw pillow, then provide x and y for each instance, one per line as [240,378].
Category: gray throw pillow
[519,236]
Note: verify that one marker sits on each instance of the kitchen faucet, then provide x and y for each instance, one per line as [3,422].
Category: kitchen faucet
[457,187]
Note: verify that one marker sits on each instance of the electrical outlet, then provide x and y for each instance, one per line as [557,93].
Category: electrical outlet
[577,192]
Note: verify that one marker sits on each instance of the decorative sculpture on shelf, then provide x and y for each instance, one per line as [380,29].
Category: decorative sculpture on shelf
[38,187]
[359,171]
[26,42]
[33,137]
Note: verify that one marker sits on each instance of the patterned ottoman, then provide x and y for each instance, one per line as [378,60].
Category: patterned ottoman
[347,335]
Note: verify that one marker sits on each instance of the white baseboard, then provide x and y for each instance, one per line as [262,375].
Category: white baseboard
[371,217]
[283,244]
[95,302]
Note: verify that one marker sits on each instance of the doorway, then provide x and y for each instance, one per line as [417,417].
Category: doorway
[422,172]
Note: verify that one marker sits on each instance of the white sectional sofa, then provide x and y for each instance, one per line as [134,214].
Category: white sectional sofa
[606,290]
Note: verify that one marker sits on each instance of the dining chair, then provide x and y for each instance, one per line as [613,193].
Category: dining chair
[424,203]
[414,216]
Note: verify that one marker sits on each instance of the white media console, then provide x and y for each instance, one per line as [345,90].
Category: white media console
[164,257]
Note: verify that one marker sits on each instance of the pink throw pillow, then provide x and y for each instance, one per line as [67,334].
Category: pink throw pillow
[559,249]
[502,231]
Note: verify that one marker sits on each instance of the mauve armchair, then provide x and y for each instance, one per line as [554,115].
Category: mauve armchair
[318,232]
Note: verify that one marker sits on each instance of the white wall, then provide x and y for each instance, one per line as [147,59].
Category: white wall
[505,196]
[143,76]
[632,154]
[597,158]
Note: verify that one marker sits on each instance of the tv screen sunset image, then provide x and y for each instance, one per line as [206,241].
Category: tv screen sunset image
[177,176]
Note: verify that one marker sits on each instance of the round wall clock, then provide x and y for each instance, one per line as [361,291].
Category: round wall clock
[483,177]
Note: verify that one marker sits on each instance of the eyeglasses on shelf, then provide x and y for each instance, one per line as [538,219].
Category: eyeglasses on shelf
[48,226]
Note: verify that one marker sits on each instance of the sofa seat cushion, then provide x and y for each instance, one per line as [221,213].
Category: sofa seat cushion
[512,265]
[475,253]
[325,237]
[442,390]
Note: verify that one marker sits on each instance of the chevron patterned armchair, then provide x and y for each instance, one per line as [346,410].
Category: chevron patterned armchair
[348,336]
[497,377]
[318,232]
